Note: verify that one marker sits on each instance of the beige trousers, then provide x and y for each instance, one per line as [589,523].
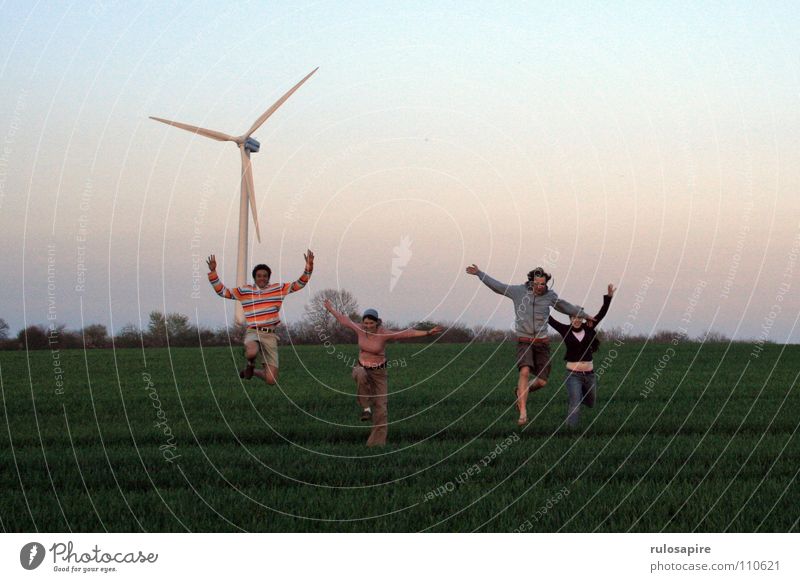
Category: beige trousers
[373,389]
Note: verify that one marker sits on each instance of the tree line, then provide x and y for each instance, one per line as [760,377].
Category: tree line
[315,327]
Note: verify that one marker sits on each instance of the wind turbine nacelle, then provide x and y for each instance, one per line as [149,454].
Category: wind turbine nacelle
[252,145]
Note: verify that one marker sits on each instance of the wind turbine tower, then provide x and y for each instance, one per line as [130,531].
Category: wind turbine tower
[247,145]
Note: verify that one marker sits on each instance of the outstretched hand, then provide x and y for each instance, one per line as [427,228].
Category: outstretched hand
[328,305]
[309,257]
[211,261]
[473,269]
[611,289]
[436,330]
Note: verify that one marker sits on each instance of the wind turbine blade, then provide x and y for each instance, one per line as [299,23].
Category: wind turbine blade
[247,183]
[277,104]
[217,135]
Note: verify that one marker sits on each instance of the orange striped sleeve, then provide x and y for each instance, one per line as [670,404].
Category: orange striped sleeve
[297,285]
[221,289]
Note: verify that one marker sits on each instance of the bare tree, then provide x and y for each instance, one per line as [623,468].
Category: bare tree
[715,337]
[128,337]
[174,327]
[322,322]
[3,329]
[95,336]
[180,331]
[156,335]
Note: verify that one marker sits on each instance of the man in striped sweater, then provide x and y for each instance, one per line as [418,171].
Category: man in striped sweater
[262,304]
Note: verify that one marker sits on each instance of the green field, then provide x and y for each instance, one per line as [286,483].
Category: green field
[712,447]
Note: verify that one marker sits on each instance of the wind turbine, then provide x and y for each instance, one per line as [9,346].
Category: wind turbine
[247,145]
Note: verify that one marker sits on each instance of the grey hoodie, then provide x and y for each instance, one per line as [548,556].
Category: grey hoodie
[531,310]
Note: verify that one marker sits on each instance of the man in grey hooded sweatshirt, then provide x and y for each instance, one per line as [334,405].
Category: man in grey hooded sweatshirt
[532,303]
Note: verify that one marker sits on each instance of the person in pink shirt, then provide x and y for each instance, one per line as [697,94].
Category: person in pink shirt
[370,372]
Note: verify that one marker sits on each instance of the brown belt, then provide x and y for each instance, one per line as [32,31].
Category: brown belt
[378,367]
[264,329]
[534,340]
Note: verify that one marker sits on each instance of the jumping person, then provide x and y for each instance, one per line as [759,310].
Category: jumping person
[370,373]
[262,304]
[581,342]
[532,303]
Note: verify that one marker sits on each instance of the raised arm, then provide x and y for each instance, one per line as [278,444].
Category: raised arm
[603,310]
[492,284]
[213,278]
[561,328]
[340,317]
[569,309]
[606,303]
[401,334]
[304,278]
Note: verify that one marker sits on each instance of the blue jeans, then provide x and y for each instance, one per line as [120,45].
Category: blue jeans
[582,389]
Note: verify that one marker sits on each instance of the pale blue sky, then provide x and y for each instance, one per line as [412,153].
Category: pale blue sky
[629,140]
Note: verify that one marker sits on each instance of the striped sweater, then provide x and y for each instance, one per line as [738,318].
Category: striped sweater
[261,306]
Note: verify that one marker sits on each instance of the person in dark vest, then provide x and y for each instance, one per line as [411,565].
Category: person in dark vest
[580,339]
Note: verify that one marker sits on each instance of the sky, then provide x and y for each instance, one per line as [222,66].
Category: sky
[649,145]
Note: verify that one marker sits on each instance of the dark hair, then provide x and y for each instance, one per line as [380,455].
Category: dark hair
[378,321]
[539,272]
[262,267]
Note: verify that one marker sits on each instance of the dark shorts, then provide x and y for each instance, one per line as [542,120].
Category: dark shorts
[536,356]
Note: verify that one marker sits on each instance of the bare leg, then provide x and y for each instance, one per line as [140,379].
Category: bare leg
[268,374]
[541,356]
[250,352]
[522,394]
[537,384]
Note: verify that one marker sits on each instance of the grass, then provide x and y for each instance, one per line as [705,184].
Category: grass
[713,445]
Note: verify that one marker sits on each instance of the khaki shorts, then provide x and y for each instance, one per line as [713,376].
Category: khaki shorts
[536,356]
[268,346]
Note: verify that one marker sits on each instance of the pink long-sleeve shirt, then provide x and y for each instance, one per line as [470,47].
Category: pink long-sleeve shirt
[372,345]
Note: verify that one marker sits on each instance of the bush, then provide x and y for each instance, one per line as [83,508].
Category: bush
[666,336]
[714,337]
[130,336]
[95,336]
[33,337]
[490,335]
